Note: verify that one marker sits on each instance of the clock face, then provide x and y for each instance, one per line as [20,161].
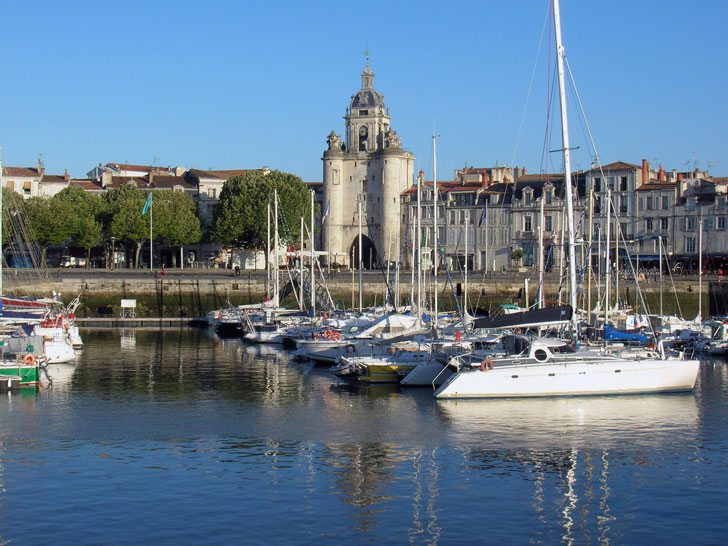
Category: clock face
[363,131]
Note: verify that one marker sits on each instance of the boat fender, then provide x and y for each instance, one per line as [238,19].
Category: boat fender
[486,365]
[329,334]
[29,360]
[350,346]
[337,335]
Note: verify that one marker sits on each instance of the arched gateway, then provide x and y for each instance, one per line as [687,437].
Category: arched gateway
[368,252]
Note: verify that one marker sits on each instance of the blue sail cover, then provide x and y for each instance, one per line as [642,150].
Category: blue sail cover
[612,334]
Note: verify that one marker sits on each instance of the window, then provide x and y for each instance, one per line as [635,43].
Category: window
[548,197]
[611,183]
[690,223]
[642,204]
[527,224]
[665,202]
[690,244]
[623,203]
[649,203]
[597,185]
[527,259]
[648,224]
[708,223]
[452,216]
[664,223]
[721,222]
[527,197]
[720,202]
[622,183]
[462,216]
[548,223]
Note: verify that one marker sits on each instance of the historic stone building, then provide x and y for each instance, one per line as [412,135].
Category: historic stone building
[369,167]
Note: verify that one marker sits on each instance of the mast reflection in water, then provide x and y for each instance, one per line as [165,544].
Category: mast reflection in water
[177,436]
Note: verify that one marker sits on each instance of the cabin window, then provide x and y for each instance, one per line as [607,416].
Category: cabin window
[540,355]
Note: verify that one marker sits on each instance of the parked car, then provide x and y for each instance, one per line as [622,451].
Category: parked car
[72,261]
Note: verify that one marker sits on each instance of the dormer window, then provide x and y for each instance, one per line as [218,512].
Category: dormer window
[548,197]
[527,195]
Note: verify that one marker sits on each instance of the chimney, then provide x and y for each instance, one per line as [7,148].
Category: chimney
[661,174]
[523,171]
[65,174]
[645,171]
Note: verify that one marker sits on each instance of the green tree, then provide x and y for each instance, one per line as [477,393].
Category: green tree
[240,217]
[51,223]
[122,216]
[87,214]
[175,219]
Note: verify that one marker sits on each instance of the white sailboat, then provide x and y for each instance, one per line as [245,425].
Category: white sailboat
[542,367]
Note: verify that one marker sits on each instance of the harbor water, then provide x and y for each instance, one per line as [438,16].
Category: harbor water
[178,437]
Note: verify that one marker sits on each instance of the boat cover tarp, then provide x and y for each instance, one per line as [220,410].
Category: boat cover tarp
[558,314]
[612,334]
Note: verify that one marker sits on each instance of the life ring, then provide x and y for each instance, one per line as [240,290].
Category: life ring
[29,360]
[487,364]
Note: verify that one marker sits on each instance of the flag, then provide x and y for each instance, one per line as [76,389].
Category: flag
[147,204]
[326,212]
[484,213]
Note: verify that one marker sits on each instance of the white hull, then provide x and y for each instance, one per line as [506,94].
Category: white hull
[605,377]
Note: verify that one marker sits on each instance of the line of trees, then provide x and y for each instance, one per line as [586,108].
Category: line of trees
[74,217]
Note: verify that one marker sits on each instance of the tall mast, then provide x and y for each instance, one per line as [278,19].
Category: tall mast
[567,162]
[267,258]
[418,244]
[361,264]
[434,225]
[276,243]
[313,260]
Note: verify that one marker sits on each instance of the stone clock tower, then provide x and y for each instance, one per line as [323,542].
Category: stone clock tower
[370,167]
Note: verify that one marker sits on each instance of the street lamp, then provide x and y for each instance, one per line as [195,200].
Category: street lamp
[113,264]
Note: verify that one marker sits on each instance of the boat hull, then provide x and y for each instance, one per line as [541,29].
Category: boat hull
[573,379]
[28,374]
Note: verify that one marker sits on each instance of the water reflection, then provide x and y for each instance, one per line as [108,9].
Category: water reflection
[292,449]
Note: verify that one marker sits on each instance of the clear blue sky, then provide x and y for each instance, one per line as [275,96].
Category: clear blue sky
[228,85]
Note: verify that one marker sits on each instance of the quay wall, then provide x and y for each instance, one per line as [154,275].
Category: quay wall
[195,292]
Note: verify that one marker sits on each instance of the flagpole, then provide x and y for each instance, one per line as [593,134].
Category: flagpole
[151,216]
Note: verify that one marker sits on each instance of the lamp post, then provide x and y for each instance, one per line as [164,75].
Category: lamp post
[113,264]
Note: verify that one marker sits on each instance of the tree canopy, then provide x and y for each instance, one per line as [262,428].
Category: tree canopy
[240,217]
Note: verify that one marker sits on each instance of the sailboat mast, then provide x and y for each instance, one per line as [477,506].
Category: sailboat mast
[361,265]
[434,226]
[567,161]
[313,261]
[276,243]
[418,239]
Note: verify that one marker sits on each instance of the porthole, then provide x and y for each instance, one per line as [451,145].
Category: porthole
[540,355]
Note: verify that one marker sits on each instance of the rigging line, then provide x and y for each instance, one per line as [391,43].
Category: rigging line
[530,85]
[583,114]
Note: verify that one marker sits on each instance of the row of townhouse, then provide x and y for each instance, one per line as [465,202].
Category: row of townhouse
[497,211]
